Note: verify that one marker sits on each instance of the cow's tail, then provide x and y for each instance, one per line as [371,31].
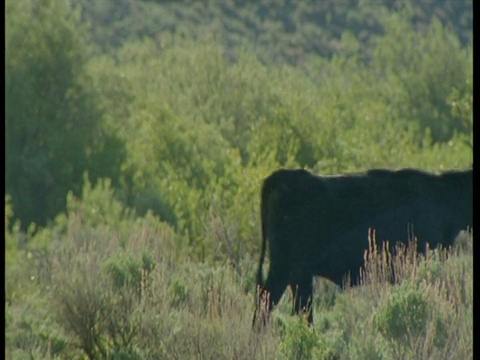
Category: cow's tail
[263,214]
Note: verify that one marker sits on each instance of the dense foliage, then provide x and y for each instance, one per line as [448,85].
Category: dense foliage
[280,31]
[138,134]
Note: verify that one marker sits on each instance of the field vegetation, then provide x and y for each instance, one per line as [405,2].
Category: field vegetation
[135,152]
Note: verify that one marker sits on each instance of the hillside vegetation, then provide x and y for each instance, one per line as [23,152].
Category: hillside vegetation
[137,137]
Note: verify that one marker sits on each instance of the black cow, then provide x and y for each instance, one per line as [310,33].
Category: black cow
[318,225]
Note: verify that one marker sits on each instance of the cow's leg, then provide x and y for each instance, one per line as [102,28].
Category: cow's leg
[275,286]
[302,290]
[271,293]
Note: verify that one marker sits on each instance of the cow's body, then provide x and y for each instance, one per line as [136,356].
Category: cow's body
[319,225]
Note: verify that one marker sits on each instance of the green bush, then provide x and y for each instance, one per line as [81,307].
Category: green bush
[124,270]
[405,315]
[299,339]
[178,292]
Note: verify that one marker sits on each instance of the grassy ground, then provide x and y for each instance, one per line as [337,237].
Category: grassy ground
[105,293]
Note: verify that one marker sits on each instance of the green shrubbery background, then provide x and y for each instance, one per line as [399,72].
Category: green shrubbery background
[135,150]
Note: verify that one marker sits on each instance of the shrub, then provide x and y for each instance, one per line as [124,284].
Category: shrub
[405,315]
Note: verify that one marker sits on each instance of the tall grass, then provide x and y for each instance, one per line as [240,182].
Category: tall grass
[134,296]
